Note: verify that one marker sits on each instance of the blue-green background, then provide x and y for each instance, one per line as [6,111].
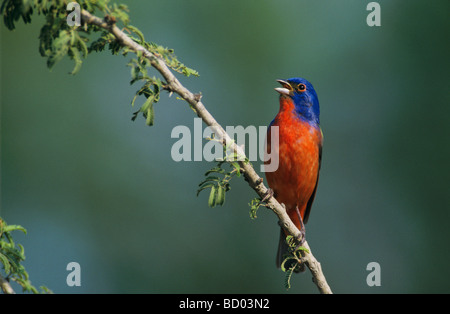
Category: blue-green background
[93,187]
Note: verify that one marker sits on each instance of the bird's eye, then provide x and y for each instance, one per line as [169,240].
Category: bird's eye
[301,87]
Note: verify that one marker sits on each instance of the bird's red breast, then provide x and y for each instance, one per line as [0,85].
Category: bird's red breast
[300,141]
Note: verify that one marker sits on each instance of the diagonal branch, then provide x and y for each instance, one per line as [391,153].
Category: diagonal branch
[253,179]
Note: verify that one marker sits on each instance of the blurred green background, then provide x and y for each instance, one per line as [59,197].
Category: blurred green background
[93,187]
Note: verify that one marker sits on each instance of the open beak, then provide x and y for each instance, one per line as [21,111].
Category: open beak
[286,89]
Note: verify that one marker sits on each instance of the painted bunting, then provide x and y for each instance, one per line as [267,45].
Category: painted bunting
[294,182]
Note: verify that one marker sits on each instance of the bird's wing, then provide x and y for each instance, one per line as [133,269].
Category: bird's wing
[313,195]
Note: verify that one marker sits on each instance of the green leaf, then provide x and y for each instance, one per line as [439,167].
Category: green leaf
[76,56]
[61,47]
[13,10]
[119,12]
[134,99]
[220,197]
[237,167]
[11,257]
[147,104]
[6,266]
[254,206]
[150,115]
[81,44]
[10,228]
[210,178]
[216,170]
[292,243]
[205,187]
[287,278]
[212,196]
[137,32]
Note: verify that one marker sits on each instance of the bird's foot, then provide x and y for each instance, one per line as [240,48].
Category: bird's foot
[269,193]
[301,238]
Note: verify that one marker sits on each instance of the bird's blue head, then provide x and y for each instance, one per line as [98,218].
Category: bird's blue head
[304,97]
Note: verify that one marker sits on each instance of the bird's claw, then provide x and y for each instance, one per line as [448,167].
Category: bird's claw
[301,237]
[269,193]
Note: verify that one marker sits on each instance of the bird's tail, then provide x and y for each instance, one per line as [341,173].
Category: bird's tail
[283,248]
[296,216]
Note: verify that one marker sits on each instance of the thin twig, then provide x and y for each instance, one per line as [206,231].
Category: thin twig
[253,179]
